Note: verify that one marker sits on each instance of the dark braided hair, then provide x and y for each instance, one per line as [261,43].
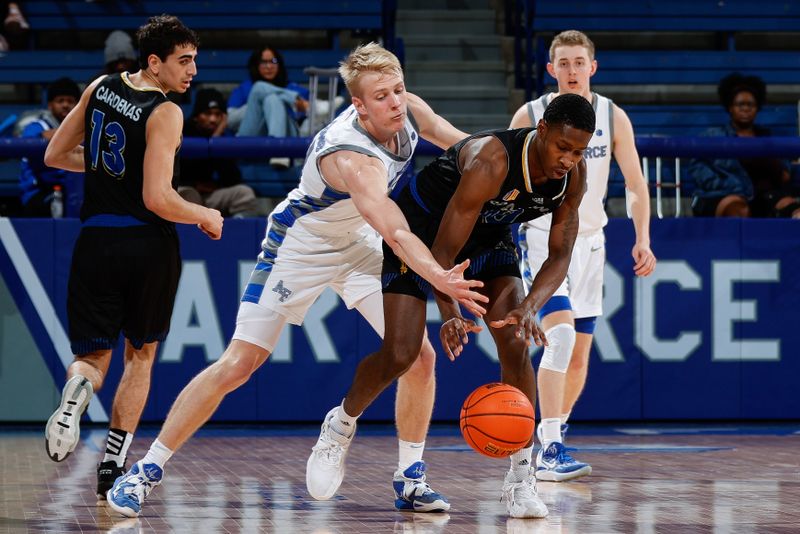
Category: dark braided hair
[571,110]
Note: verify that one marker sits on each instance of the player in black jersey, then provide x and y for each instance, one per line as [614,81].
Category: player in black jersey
[462,205]
[124,134]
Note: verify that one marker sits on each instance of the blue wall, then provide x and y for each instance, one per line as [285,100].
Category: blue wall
[712,334]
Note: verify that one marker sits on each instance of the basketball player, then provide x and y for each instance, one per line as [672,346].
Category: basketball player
[324,235]
[124,134]
[569,316]
[463,204]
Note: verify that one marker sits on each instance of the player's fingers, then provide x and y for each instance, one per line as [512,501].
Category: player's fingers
[467,292]
[473,307]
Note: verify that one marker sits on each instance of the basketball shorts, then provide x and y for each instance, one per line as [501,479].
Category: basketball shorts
[122,280]
[293,269]
[490,249]
[583,284]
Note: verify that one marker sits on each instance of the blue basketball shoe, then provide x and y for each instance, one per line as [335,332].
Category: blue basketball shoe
[414,494]
[131,489]
[554,464]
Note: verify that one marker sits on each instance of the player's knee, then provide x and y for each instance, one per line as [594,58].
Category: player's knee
[231,372]
[399,358]
[558,352]
[422,370]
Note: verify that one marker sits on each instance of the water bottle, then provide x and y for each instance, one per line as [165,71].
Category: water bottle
[57,204]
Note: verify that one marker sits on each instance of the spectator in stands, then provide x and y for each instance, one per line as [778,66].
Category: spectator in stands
[214,182]
[267,103]
[36,179]
[119,53]
[15,29]
[744,187]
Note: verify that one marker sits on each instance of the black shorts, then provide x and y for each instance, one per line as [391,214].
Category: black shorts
[490,248]
[122,279]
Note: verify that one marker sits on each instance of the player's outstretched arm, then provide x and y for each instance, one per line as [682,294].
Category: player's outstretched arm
[628,160]
[163,138]
[563,232]
[64,151]
[365,180]
[433,127]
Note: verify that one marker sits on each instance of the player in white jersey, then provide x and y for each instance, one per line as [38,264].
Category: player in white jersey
[569,317]
[324,235]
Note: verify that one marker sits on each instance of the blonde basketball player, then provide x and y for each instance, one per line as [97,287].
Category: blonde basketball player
[569,318]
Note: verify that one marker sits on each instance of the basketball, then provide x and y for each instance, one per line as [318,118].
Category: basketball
[497,420]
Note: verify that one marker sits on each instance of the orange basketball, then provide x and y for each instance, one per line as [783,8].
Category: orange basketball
[497,420]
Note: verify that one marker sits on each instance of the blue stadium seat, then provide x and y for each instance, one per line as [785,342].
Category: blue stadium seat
[199,15]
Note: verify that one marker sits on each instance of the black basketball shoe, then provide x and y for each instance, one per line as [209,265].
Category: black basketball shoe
[107,473]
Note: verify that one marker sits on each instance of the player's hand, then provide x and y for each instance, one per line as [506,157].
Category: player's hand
[454,285]
[453,335]
[644,260]
[527,327]
[212,227]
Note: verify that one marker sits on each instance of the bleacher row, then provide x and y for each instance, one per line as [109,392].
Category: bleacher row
[633,68]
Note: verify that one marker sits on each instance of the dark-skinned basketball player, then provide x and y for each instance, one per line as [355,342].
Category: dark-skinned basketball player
[463,205]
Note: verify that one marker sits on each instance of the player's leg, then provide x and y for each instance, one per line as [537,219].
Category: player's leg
[416,389]
[556,318]
[126,410]
[519,487]
[578,366]
[85,376]
[405,329]
[95,308]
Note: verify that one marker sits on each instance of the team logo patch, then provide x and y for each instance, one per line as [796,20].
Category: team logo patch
[511,195]
[283,291]
[599,132]
[403,267]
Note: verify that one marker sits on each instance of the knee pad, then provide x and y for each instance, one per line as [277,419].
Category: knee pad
[558,352]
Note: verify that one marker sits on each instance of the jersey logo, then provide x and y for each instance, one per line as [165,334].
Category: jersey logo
[599,132]
[284,292]
[538,200]
[511,195]
[403,267]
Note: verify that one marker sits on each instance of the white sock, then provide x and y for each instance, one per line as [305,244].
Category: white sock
[550,431]
[521,463]
[410,453]
[158,454]
[117,445]
[342,423]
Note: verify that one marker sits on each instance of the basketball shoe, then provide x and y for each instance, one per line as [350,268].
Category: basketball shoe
[63,431]
[107,473]
[554,464]
[413,493]
[130,490]
[325,467]
[521,497]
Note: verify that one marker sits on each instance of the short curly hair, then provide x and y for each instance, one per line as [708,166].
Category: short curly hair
[733,84]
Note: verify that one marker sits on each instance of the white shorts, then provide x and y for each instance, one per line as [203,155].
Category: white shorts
[583,284]
[305,265]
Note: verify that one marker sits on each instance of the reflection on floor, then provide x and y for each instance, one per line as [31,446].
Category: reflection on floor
[646,479]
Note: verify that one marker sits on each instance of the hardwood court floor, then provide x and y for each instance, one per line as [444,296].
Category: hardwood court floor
[646,479]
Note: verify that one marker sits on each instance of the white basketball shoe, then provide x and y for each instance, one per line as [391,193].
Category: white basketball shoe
[325,467]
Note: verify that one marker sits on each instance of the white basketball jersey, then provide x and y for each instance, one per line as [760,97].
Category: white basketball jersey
[592,213]
[323,210]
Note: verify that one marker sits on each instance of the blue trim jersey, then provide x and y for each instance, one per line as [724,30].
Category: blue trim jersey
[114,146]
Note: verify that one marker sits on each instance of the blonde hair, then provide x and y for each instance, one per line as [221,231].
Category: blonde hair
[571,38]
[370,57]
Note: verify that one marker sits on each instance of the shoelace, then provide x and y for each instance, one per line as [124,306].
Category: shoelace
[415,484]
[329,450]
[524,490]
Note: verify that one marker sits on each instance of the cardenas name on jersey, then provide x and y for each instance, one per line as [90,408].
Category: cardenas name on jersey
[118,103]
[331,212]
[592,213]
